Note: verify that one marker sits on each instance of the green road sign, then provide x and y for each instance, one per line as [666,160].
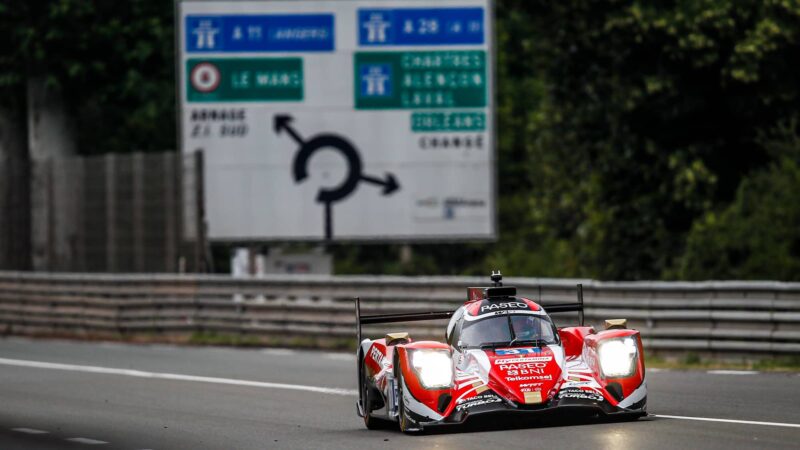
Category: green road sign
[448,121]
[244,80]
[418,80]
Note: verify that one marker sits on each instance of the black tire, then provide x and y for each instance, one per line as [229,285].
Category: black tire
[628,416]
[366,395]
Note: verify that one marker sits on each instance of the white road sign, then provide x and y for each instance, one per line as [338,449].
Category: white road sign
[342,120]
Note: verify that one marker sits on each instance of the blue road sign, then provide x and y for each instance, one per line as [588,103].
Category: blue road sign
[421,26]
[260,33]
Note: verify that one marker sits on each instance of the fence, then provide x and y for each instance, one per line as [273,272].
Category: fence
[718,317]
[138,212]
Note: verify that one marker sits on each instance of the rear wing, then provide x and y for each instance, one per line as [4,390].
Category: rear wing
[434,315]
[392,318]
[568,307]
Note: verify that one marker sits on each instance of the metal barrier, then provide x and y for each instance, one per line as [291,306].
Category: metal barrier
[716,317]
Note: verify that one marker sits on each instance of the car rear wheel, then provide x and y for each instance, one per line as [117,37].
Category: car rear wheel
[367,396]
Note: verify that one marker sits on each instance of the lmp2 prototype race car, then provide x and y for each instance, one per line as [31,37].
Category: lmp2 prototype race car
[503,354]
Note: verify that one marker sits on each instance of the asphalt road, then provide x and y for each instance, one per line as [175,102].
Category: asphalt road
[60,394]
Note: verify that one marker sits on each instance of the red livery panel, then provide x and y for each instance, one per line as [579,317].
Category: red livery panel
[502,353]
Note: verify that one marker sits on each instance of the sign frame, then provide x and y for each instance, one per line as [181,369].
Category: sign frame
[491,98]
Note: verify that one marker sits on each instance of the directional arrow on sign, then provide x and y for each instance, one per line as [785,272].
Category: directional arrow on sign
[282,123]
[328,197]
[389,184]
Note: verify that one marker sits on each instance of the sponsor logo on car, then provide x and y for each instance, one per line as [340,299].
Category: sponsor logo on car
[537,359]
[378,357]
[529,378]
[478,400]
[506,305]
[537,365]
[582,394]
[525,372]
[529,390]
[517,351]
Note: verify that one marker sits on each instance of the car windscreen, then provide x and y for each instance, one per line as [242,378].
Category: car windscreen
[508,329]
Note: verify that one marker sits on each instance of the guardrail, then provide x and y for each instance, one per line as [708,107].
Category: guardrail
[715,317]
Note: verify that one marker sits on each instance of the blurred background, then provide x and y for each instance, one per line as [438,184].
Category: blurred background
[635,141]
[157,186]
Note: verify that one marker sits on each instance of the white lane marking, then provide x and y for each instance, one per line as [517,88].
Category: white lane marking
[278,351]
[657,370]
[746,422]
[340,356]
[732,372]
[82,440]
[174,376]
[30,430]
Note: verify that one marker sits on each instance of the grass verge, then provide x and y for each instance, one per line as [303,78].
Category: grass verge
[693,361]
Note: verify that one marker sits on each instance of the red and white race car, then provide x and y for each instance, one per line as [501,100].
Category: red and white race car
[502,354]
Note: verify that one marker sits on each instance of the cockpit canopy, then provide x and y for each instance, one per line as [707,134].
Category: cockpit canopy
[507,330]
[499,322]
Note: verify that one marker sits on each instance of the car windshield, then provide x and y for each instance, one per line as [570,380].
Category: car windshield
[508,330]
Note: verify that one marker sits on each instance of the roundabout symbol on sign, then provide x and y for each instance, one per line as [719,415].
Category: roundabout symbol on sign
[355,175]
[205,77]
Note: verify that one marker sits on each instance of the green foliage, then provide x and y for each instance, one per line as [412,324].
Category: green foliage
[648,119]
[113,61]
[233,340]
[758,235]
[691,358]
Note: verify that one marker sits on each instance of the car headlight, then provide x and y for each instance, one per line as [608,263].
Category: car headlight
[433,367]
[618,357]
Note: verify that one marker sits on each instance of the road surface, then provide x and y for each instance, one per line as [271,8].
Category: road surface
[65,394]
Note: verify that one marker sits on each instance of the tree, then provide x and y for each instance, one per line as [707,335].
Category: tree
[649,119]
[113,62]
[758,235]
